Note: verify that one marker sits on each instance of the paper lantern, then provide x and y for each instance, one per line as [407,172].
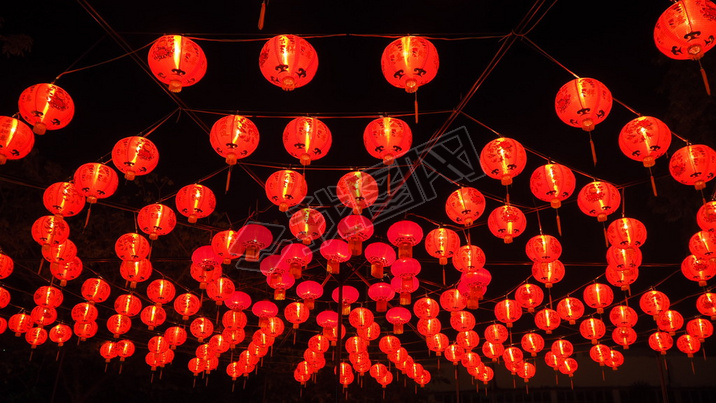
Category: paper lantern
[452,300]
[622,315]
[543,249]
[36,336]
[6,266]
[286,188]
[621,278]
[552,183]
[626,233]
[387,138]
[234,137]
[624,336]
[398,316]
[67,271]
[468,339]
[437,343]
[153,316]
[583,102]
[661,342]
[624,258]
[84,312]
[345,296]
[532,343]
[503,159]
[492,350]
[177,61]
[599,199]
[128,304]
[462,321]
[410,62]
[592,329]
[465,205]
[694,165]
[43,316]
[670,321]
[288,61]
[700,270]
[547,320]
[307,225]
[442,243]
[134,156]
[280,283]
[512,355]
[454,353]
[201,328]
[379,255]
[222,244]
[405,287]
[406,270]
[62,199]
[309,291]
[700,329]
[60,333]
[135,271]
[95,290]
[132,246]
[85,330]
[4,297]
[296,313]
[562,348]
[570,309]
[703,245]
[429,327]
[688,345]
[426,308]
[156,219]
[381,293]
[507,222]
[507,311]
[296,256]
[307,139]
[195,201]
[16,139]
[220,289]
[355,229]
[654,302]
[336,252]
[49,230]
[48,297]
[95,181]
[405,234]
[645,139]
[233,320]
[706,216]
[264,310]
[251,239]
[187,305]
[686,29]
[161,291]
[119,324]
[600,353]
[20,323]
[529,296]
[469,258]
[46,107]
[548,273]
[598,296]
[357,190]
[238,301]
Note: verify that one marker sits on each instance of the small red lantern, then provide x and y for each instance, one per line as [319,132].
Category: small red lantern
[127,304]
[570,309]
[696,269]
[288,61]
[153,316]
[387,139]
[161,291]
[706,216]
[233,320]
[624,336]
[454,353]
[624,258]
[220,289]
[465,205]
[6,266]
[135,271]
[661,342]
[468,339]
[177,61]
[286,188]
[201,328]
[222,245]
[195,201]
[379,255]
[4,298]
[84,312]
[622,315]
[66,271]
[426,308]
[405,234]
[398,316]
[156,219]
[645,139]
[309,291]
[296,313]
[507,222]
[406,270]
[410,62]
[468,258]
[20,323]
[503,159]
[95,181]
[307,139]
[119,324]
[442,243]
[583,102]
[132,246]
[125,348]
[355,229]
[187,305]
[621,278]
[598,296]
[238,301]
[36,336]
[62,199]
[543,249]
[251,239]
[703,245]
[600,354]
[336,252]
[700,328]
[626,233]
[95,290]
[381,293]
[46,107]
[462,321]
[599,199]
[345,296]
[552,183]
[48,297]
[280,283]
[547,320]
[508,311]
[135,155]
[529,296]
[694,165]
[297,256]
[548,273]
[688,345]
[592,329]
[43,316]
[85,330]
[405,287]
[532,343]
[49,230]
[654,302]
[307,225]
[452,300]
[670,321]
[686,29]
[492,350]
[234,137]
[429,327]
[436,343]
[562,348]
[16,139]
[361,318]
[357,190]
[60,333]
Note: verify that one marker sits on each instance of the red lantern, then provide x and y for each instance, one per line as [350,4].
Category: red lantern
[60,333]
[462,321]
[153,316]
[95,181]
[16,139]
[624,258]
[20,323]
[195,201]
[622,315]
[429,327]
[222,245]
[492,350]
[48,297]
[357,190]
[548,273]
[552,183]
[398,316]
[206,257]
[135,155]
[62,199]
[670,321]
[405,287]
[465,205]
[251,239]
[387,139]
[661,342]
[238,301]
[533,343]
[119,324]
[410,62]
[309,291]
[66,271]
[688,345]
[654,302]
[599,199]
[622,278]
[264,310]
[187,305]
[43,316]
[706,216]
[436,343]
[156,219]
[95,290]
[685,30]
[36,336]
[234,137]
[296,313]
[598,296]
[177,61]
[125,348]
[286,188]
[280,283]
[379,255]
[406,270]
[570,309]
[381,293]
[127,304]
[132,246]
[369,333]
[46,107]
[135,271]
[345,296]
[508,311]
[454,353]
[452,300]
[426,308]
[583,102]
[49,230]
[6,265]
[592,329]
[201,328]
[529,296]
[85,330]
[694,165]
[161,291]
[307,225]
[645,139]
[220,289]
[547,320]
[512,355]
[703,245]
[543,249]
[503,159]
[700,328]
[468,339]
[600,354]
[442,243]
[4,298]
[696,269]
[288,61]
[624,336]
[336,252]
[626,233]
[233,320]
[297,256]
[507,222]
[468,258]
[84,312]
[355,229]
[562,348]
[307,139]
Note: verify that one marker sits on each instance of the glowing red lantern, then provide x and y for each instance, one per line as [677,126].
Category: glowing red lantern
[508,311]
[462,321]
[296,313]
[685,30]
[48,297]
[49,230]
[251,239]
[599,199]
[43,316]
[187,305]
[570,309]
[118,324]
[222,245]
[85,330]
[60,333]
[36,336]
[492,350]
[220,289]
[16,139]
[442,243]
[507,222]
[592,329]
[465,205]
[696,269]
[706,216]
[600,353]
[548,273]
[206,257]
[233,320]
[468,339]
[355,229]
[436,343]
[626,233]
[156,219]
[234,137]
[405,287]
[552,183]
[357,190]
[533,343]
[161,291]
[6,265]
[406,270]
[547,320]
[429,327]
[381,293]
[410,62]
[132,247]
[379,255]
[694,165]
[307,225]
[84,312]
[345,296]
[95,290]
[543,249]
[127,304]
[503,158]
[46,107]
[153,316]
[622,315]
[426,308]
[264,310]
[624,258]
[135,155]
[670,321]
[336,252]
[307,139]
[583,102]
[66,271]
[562,348]
[703,245]
[309,291]
[177,61]
[95,181]
[125,348]
[387,138]
[398,316]
[280,283]
[20,323]
[661,342]
[62,198]
[238,301]
[135,271]
[4,298]
[297,256]
[654,302]
[529,296]
[452,300]
[195,201]
[700,328]
[469,258]
[286,188]
[454,353]
[688,345]
[201,328]
[598,296]
[288,61]
[645,139]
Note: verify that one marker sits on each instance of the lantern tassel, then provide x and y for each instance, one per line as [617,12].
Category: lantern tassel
[705,78]
[120,369]
[228,180]
[233,386]
[606,240]
[42,261]
[89,210]
[262,15]
[193,385]
[389,181]
[415,103]
[443,275]
[693,370]
[559,224]
[527,388]
[106,364]
[571,383]
[653,183]
[594,152]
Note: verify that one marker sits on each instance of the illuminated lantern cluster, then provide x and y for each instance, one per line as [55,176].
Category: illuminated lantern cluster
[134,156]
[307,139]
[177,61]
[599,199]
[195,201]
[46,107]
[234,137]
[410,62]
[693,165]
[16,139]
[503,159]
[465,205]
[387,139]
[288,61]
[507,222]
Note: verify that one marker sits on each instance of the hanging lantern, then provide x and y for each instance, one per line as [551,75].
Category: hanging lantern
[507,222]
[570,309]
[543,249]
[621,278]
[132,246]
[48,297]
[462,321]
[600,354]
[562,348]
[700,270]
[49,230]
[645,139]
[703,245]
[153,316]
[187,305]
[598,296]
[406,270]
[473,285]
[177,61]
[405,288]
[398,316]
[60,333]
[547,320]
[222,245]
[307,225]
[437,343]
[296,313]
[355,229]
[379,255]
[135,155]
[381,293]
[36,336]
[552,183]
[622,315]
[694,165]
[661,342]
[508,311]
[16,139]
[452,300]
[429,327]
[220,289]
[583,103]
[492,350]
[592,329]
[156,219]
[296,256]
[468,339]
[4,298]
[84,312]
[280,283]
[195,201]
[426,308]
[465,205]
[706,216]
[307,139]
[357,190]
[201,328]
[405,234]
[700,329]
[127,304]
[95,181]
[454,353]
[336,252]
[624,336]
[309,291]
[442,243]
[387,138]
[349,295]
[135,271]
[118,325]
[43,316]
[469,258]
[251,239]
[529,296]
[238,301]
[288,61]
[286,188]
[503,159]
[599,199]
[626,233]
[62,198]
[328,320]
[95,290]
[548,273]
[686,29]
[688,345]
[233,320]
[234,137]
[46,107]
[85,330]
[654,302]
[67,271]
[410,62]
[161,291]
[532,343]
[624,258]
[670,321]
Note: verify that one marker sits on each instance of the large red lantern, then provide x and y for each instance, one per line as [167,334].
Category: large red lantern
[552,183]
[381,293]
[405,234]
[532,343]
[570,309]
[132,247]
[357,190]
[85,330]
[345,296]
[592,329]
[462,321]
[543,249]
[429,327]
[43,316]
[465,205]
[696,269]
[645,139]
[442,243]
[49,230]
[251,239]
[624,258]
[355,229]
[468,258]
[234,137]
[503,159]
[599,199]
[492,350]
[622,315]
[60,333]
[307,225]
[135,155]
[286,188]
[280,283]
[288,61]
[127,304]
[706,216]
[62,199]
[398,316]
[529,296]
[46,107]
[153,316]
[161,291]
[410,62]
[336,252]
[6,266]
[16,139]
[547,320]
[36,336]
[548,273]
[626,233]
[201,328]
[387,138]
[694,165]
[296,313]
[307,139]
[297,256]
[654,302]
[220,289]
[703,245]
[135,271]
[405,287]
[379,255]
[454,353]
[177,61]
[405,269]
[223,245]
[661,342]
[95,181]
[66,271]
[688,345]
[624,336]
[700,328]
[156,219]
[187,305]
[562,348]
[48,297]
[309,291]
[119,324]
[583,103]
[195,201]
[507,222]
[508,311]
[686,29]
[670,321]
[452,300]
[598,296]
[238,301]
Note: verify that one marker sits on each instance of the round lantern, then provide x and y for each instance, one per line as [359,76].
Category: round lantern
[454,353]
[592,329]
[381,293]
[357,190]
[429,327]
[251,239]
[548,273]
[543,249]
[387,139]
[624,336]
[562,348]
[654,302]
[462,321]
[60,333]
[46,107]
[43,316]
[134,156]
[288,61]
[426,308]
[307,225]
[508,311]
[532,343]
[624,258]
[309,291]
[398,316]
[670,321]
[220,289]
[296,313]
[405,234]
[686,29]
[222,245]
[297,256]
[626,233]
[280,283]
[161,291]
[706,304]
[621,278]
[410,62]
[336,252]
[187,305]
[286,188]
[547,320]
[696,269]
[442,243]
[201,328]
[156,219]
[503,159]
[598,296]
[599,199]
[153,316]
[16,139]
[355,229]
[307,139]
[468,339]
[645,139]
[238,301]
[85,330]
[688,345]
[195,201]
[233,320]
[379,255]
[492,350]
[661,342]
[694,165]
[465,205]
[700,328]
[437,343]
[452,300]
[49,230]
[468,258]
[66,271]
[6,266]
[36,336]
[706,217]
[62,199]
[570,309]
[234,137]
[177,61]
[622,315]
[529,296]
[4,297]
[507,222]
[135,271]
[552,183]
[132,246]
[119,324]
[406,270]
[703,245]
[583,102]
[127,304]
[95,290]
[405,287]
[48,297]
[95,181]
[345,296]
